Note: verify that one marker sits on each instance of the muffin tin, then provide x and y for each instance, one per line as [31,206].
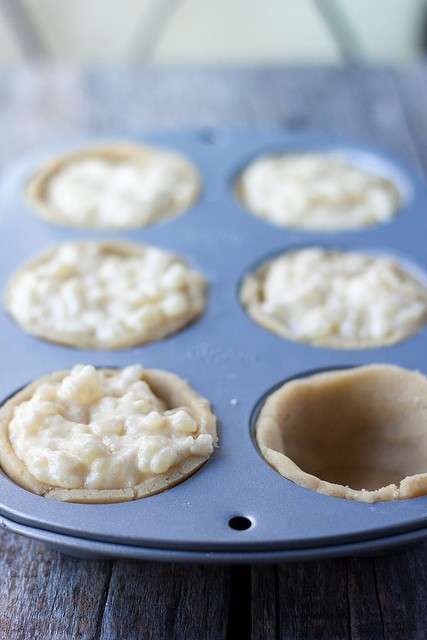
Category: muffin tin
[227,358]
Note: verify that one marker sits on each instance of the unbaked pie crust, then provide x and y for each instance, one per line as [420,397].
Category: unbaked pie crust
[168,387]
[358,433]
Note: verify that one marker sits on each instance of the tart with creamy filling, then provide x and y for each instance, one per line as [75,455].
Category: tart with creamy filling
[105,295]
[105,435]
[359,433]
[346,300]
[116,186]
[316,191]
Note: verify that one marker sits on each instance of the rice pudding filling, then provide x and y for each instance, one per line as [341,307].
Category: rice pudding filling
[116,186]
[317,191]
[336,298]
[105,294]
[92,429]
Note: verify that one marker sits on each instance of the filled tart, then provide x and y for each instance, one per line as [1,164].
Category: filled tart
[105,295]
[115,186]
[105,435]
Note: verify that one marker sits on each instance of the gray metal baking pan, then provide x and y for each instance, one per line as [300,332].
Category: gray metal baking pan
[225,356]
[97,550]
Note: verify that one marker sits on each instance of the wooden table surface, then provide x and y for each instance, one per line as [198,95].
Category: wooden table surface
[46,596]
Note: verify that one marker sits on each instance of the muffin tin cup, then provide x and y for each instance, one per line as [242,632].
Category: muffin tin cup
[226,357]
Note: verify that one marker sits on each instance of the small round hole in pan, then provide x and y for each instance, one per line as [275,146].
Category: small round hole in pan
[240,523]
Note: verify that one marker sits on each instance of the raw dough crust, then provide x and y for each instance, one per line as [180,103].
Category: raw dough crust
[168,326]
[170,388]
[37,189]
[316,191]
[252,297]
[359,433]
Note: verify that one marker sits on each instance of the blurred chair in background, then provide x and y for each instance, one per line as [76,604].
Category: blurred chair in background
[201,31]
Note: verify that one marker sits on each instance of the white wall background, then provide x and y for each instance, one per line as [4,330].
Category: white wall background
[210,31]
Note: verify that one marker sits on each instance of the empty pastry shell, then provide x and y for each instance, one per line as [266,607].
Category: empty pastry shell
[358,433]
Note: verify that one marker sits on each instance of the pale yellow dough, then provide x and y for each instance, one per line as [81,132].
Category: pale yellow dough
[105,295]
[106,435]
[344,300]
[316,191]
[115,186]
[359,434]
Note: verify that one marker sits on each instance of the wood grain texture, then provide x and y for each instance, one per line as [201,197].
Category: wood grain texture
[154,601]
[364,607]
[264,610]
[312,601]
[402,586]
[46,596]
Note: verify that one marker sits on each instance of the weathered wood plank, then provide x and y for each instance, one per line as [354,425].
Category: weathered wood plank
[312,601]
[358,598]
[44,595]
[264,618]
[365,615]
[153,601]
[402,586]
